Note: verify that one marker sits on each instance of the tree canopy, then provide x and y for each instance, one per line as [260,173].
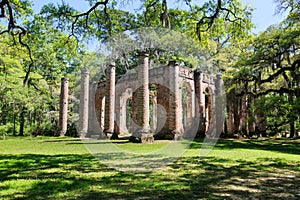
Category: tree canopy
[39,48]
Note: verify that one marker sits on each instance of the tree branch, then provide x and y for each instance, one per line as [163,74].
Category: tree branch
[152,4]
[279,72]
[281,90]
[208,21]
[87,13]
[20,31]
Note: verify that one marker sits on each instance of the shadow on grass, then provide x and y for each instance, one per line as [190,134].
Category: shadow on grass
[83,177]
[280,146]
[276,145]
[79,141]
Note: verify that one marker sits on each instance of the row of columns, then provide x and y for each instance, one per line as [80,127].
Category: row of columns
[142,106]
[142,131]
[83,107]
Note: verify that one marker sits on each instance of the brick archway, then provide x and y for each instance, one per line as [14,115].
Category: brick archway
[174,112]
[123,112]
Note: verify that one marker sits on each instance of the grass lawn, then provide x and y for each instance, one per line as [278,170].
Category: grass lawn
[64,168]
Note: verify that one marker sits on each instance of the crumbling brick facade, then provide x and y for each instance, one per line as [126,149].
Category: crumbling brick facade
[183,99]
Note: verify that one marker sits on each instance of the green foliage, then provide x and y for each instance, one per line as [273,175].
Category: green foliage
[277,111]
[263,67]
[234,26]
[55,55]
[268,70]
[292,7]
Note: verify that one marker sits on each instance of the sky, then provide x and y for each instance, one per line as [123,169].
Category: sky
[263,15]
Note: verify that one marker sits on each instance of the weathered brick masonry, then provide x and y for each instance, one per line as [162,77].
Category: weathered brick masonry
[172,113]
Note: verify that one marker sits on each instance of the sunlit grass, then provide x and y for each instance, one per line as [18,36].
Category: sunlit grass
[63,168]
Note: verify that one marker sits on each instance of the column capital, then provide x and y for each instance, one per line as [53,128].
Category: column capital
[64,79]
[143,54]
[112,64]
[85,70]
[173,63]
[199,71]
[110,68]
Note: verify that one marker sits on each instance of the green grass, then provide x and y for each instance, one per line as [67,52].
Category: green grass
[64,168]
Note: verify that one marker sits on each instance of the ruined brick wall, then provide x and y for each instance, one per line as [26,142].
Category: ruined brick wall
[169,82]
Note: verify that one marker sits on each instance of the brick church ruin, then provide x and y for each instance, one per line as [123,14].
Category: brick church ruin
[167,102]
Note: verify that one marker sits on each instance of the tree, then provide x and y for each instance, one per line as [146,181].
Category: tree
[269,73]
[54,56]
[12,11]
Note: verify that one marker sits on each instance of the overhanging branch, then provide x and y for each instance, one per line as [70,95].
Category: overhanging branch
[87,14]
[206,22]
[8,14]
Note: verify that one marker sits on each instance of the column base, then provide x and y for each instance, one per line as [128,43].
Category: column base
[147,138]
[177,135]
[82,134]
[62,133]
[169,135]
[112,136]
[144,138]
[142,135]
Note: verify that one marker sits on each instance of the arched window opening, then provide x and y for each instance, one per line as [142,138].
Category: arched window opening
[129,115]
[208,108]
[186,100]
[152,107]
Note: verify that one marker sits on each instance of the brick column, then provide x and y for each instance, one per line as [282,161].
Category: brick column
[63,111]
[175,107]
[202,96]
[201,104]
[219,105]
[84,102]
[142,100]
[110,102]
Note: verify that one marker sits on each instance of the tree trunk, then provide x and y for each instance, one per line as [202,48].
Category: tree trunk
[39,122]
[22,121]
[243,115]
[230,112]
[14,120]
[292,122]
[236,111]
[29,118]
[251,116]
[3,114]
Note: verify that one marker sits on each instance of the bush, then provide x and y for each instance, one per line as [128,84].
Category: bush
[7,129]
[45,129]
